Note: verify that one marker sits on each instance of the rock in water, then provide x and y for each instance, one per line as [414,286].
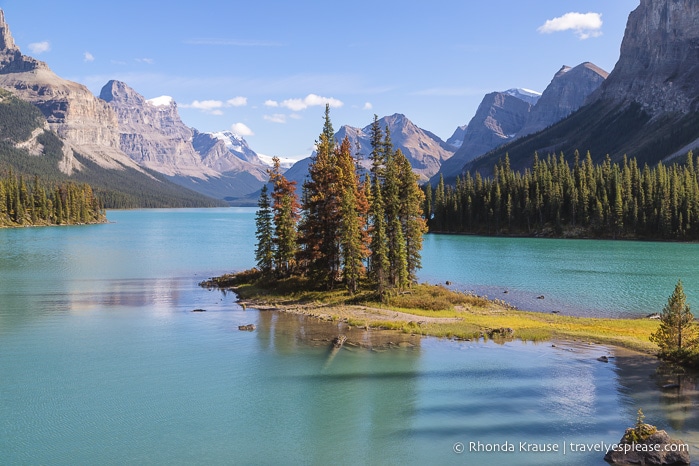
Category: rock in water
[657,449]
[339,341]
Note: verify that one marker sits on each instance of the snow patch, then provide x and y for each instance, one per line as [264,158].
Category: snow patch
[526,95]
[284,162]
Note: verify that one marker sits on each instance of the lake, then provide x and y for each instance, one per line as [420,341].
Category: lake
[103,362]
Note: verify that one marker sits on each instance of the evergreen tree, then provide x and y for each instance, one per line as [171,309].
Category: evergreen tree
[410,214]
[264,232]
[677,336]
[352,216]
[285,208]
[378,261]
[320,222]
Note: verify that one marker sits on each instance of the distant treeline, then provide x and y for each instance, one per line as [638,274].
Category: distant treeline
[582,199]
[36,203]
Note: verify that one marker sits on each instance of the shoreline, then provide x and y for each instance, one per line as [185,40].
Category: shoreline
[485,319]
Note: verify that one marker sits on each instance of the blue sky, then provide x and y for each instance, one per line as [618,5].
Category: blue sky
[267,68]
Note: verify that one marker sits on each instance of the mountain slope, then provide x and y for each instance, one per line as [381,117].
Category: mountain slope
[648,107]
[498,118]
[28,147]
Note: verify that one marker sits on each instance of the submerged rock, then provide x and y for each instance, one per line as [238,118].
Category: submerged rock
[247,328]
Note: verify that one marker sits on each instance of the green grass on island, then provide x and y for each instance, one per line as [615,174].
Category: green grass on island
[433,310]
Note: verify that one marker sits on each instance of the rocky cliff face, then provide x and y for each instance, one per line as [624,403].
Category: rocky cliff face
[85,123]
[659,60]
[152,133]
[566,93]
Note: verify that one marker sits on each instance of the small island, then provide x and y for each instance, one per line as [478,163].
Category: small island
[431,310]
[349,250]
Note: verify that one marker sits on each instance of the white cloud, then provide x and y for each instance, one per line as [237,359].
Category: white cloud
[311,100]
[162,101]
[88,57]
[276,118]
[271,103]
[148,61]
[368,106]
[241,129]
[39,47]
[205,105]
[584,25]
[237,102]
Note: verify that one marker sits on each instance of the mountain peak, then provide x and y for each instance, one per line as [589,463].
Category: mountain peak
[11,59]
[7,43]
[117,91]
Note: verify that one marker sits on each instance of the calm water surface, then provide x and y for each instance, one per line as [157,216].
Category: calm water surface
[103,362]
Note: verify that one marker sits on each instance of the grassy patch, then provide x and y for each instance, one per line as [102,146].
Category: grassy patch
[436,311]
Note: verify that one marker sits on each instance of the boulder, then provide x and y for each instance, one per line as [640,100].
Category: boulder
[657,449]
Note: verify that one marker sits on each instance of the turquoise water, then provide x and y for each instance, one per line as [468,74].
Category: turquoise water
[103,362]
[581,277]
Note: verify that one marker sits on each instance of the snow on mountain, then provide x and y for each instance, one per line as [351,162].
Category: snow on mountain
[284,162]
[527,95]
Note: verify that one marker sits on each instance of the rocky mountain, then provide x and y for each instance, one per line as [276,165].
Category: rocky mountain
[77,137]
[152,133]
[566,93]
[219,165]
[224,152]
[504,117]
[658,64]
[86,124]
[498,119]
[425,151]
[648,107]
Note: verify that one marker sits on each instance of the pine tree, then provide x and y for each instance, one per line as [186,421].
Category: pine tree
[352,231]
[677,336]
[320,222]
[285,208]
[410,213]
[264,225]
[378,261]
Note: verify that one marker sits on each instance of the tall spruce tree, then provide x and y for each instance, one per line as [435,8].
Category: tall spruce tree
[353,239]
[677,336]
[410,213]
[264,232]
[320,221]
